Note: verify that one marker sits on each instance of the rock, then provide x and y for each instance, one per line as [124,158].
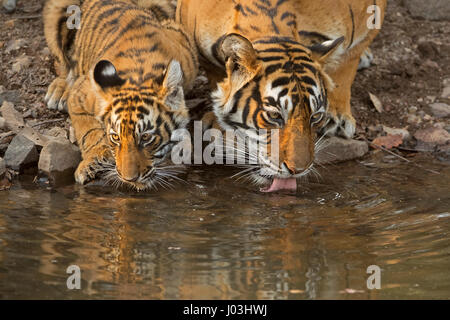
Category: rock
[430,9]
[59,161]
[14,45]
[9,5]
[10,95]
[440,110]
[396,131]
[338,149]
[21,153]
[33,135]
[2,167]
[58,133]
[432,136]
[446,90]
[2,123]
[413,119]
[13,118]
[431,64]
[21,64]
[412,109]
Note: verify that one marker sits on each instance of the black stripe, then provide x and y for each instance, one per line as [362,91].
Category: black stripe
[353,26]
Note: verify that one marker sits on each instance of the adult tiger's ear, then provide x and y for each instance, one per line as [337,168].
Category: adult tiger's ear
[173,86]
[240,59]
[322,51]
[105,75]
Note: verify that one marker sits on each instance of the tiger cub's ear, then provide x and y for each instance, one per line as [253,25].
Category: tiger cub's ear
[105,75]
[322,51]
[240,60]
[173,86]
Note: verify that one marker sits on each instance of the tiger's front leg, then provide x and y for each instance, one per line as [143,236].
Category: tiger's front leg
[340,119]
[90,133]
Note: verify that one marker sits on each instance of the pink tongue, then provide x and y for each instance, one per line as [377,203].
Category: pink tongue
[282,184]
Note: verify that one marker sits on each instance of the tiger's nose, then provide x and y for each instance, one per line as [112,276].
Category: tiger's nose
[129,179]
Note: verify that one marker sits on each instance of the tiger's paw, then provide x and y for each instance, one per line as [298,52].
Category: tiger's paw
[366,59]
[339,124]
[56,97]
[85,172]
[89,169]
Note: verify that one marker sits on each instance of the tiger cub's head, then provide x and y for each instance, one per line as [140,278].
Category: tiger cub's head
[274,83]
[140,118]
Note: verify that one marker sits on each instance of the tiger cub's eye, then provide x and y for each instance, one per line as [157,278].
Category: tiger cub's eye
[274,115]
[115,138]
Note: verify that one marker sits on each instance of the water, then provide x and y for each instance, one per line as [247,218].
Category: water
[218,239]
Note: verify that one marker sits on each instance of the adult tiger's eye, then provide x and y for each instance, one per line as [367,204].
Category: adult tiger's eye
[316,117]
[146,137]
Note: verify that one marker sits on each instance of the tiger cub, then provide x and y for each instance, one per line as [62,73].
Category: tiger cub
[282,64]
[122,76]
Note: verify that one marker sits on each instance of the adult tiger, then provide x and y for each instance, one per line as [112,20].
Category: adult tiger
[122,76]
[282,64]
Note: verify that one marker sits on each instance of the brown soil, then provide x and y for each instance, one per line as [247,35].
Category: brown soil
[412,58]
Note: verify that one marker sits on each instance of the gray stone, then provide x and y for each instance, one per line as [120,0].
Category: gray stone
[16,44]
[398,131]
[430,9]
[13,118]
[9,5]
[440,110]
[59,160]
[446,89]
[431,137]
[21,153]
[2,167]
[21,63]
[2,123]
[10,95]
[338,150]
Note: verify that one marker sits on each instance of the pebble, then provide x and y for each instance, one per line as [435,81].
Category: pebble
[440,110]
[21,153]
[21,64]
[430,9]
[433,136]
[9,5]
[446,90]
[338,150]
[2,123]
[413,119]
[398,131]
[14,45]
[59,160]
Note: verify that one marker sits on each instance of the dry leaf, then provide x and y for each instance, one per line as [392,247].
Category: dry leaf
[390,141]
[376,102]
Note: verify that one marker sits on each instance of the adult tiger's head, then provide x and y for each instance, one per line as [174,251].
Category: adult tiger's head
[139,121]
[275,83]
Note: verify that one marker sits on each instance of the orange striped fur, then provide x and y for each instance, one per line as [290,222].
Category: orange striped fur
[122,77]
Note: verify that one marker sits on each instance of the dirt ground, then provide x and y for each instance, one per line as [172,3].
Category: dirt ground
[412,61]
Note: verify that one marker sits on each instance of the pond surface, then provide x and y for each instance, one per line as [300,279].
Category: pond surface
[213,238]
